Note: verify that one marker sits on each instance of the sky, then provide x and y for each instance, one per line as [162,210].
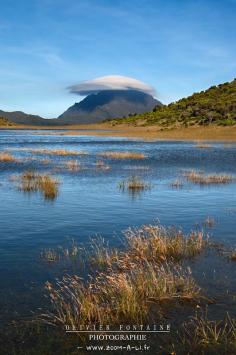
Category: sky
[176,46]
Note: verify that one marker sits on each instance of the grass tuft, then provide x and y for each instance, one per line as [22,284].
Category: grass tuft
[33,182]
[62,152]
[134,183]
[204,336]
[123,155]
[7,157]
[201,179]
[233,255]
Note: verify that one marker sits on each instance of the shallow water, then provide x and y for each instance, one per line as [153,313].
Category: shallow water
[90,202]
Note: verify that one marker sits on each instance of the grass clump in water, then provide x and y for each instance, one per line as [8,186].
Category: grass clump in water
[131,281]
[233,255]
[202,179]
[154,242]
[32,182]
[134,183]
[61,253]
[7,157]
[204,336]
[149,243]
[123,155]
[117,296]
[62,152]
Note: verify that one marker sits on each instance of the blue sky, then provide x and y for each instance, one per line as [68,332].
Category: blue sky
[178,47]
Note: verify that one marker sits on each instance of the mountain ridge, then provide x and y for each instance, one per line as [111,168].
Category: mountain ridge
[108,104]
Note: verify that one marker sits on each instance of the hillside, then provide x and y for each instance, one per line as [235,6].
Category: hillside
[4,122]
[24,118]
[108,104]
[217,105]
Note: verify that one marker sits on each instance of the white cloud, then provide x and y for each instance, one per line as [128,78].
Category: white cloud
[110,82]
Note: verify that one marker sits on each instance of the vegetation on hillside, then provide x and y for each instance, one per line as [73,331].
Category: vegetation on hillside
[217,105]
[4,122]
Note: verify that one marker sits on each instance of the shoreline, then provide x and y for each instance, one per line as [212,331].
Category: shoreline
[209,133]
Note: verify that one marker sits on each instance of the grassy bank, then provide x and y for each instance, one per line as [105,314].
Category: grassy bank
[197,134]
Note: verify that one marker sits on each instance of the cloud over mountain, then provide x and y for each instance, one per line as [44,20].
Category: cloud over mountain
[110,82]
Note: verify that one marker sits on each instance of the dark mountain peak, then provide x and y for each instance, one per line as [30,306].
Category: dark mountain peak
[108,104]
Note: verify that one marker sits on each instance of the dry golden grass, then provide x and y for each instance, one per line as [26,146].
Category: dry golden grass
[134,183]
[148,244]
[73,165]
[201,179]
[233,255]
[123,155]
[32,182]
[60,152]
[131,280]
[148,132]
[72,251]
[60,253]
[161,244]
[204,336]
[7,157]
[115,297]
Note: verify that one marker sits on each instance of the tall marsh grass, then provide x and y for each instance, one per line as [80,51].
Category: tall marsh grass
[149,243]
[113,297]
[128,282]
[33,182]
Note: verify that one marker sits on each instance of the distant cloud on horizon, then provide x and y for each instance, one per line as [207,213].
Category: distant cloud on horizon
[110,82]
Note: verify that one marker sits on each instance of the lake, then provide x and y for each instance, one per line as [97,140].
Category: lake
[90,203]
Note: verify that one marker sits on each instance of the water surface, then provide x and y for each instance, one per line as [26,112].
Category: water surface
[90,203]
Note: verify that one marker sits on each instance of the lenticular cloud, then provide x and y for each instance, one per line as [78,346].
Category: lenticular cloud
[111,82]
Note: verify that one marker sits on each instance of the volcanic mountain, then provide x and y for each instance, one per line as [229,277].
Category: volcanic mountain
[106,104]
